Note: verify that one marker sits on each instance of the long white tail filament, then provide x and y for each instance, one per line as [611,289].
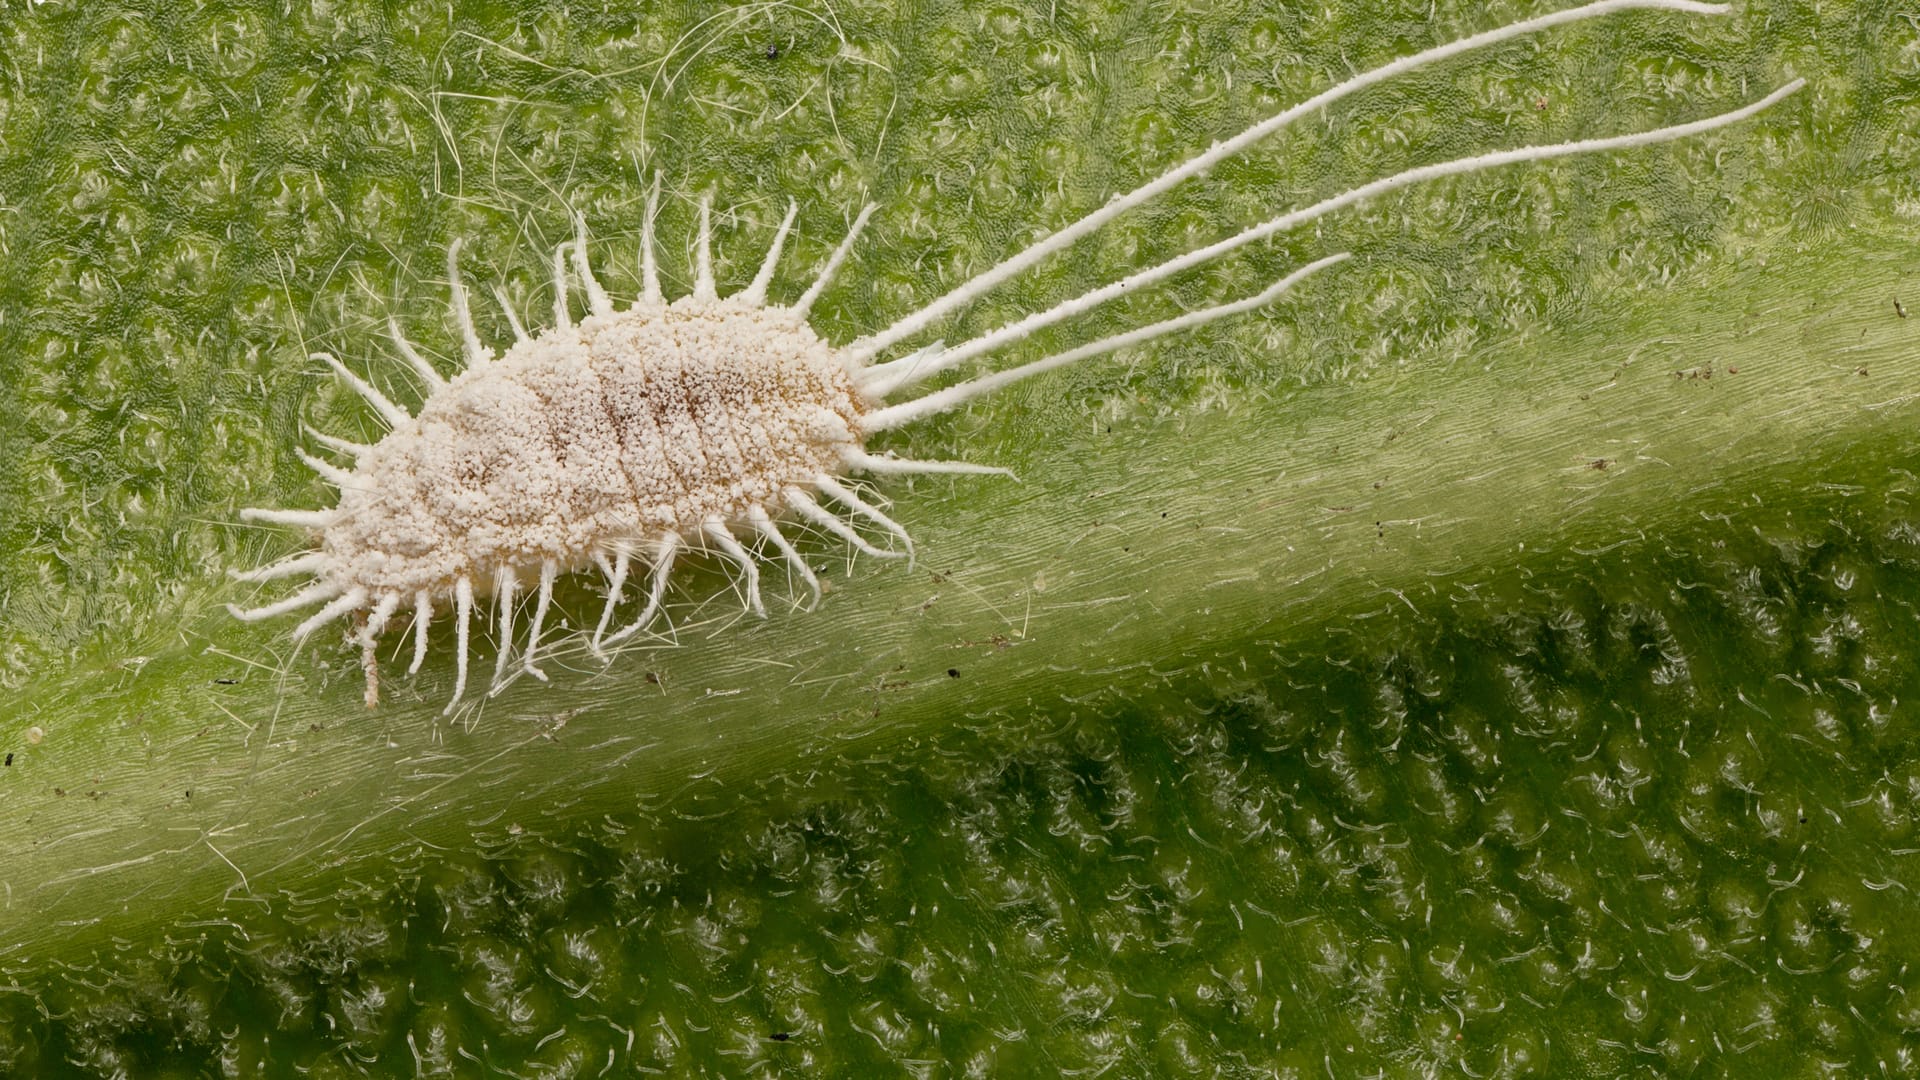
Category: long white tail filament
[981,283]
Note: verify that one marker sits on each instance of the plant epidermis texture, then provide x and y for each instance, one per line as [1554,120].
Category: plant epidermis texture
[189,207]
[194,202]
[1559,830]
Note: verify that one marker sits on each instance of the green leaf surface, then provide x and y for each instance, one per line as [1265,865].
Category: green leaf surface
[1664,393]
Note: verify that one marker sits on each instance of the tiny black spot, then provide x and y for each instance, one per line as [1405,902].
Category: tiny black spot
[780,1036]
[9,759]
[228,682]
[1163,513]
[1803,821]
[773,52]
[952,672]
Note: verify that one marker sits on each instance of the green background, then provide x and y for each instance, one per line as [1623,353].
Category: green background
[1488,661]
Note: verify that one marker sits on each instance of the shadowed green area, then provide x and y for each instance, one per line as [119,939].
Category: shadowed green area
[1651,811]
[1438,664]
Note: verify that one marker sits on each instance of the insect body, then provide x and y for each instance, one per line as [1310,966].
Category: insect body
[695,424]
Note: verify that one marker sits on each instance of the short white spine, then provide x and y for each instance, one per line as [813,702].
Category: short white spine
[764,524]
[756,293]
[422,618]
[649,262]
[463,615]
[476,354]
[703,287]
[597,299]
[803,504]
[413,358]
[715,530]
[395,416]
[804,305]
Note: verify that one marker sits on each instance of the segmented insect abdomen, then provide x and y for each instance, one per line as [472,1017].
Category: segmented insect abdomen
[622,429]
[713,425]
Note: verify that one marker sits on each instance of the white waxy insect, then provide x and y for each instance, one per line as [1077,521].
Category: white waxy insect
[670,427]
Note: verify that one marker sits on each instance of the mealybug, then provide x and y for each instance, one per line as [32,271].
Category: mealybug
[691,425]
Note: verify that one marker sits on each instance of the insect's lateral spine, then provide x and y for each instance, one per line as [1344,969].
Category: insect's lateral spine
[475,353]
[394,415]
[331,473]
[312,594]
[665,552]
[463,616]
[369,637]
[299,564]
[505,584]
[703,287]
[804,305]
[337,445]
[649,263]
[413,358]
[616,580]
[349,601]
[422,619]
[756,292]
[716,531]
[597,300]
[562,314]
[310,519]
[548,571]
[513,320]
[846,497]
[763,524]
[804,505]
